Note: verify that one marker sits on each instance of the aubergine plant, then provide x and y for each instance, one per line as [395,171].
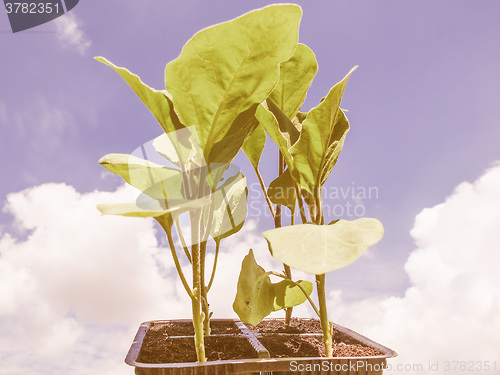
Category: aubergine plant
[208,111]
[309,146]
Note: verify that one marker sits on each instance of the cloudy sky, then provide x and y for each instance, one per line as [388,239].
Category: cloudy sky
[423,147]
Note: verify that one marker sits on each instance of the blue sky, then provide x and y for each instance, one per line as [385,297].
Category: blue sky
[424,113]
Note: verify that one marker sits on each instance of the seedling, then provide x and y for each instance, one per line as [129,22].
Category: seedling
[309,146]
[208,110]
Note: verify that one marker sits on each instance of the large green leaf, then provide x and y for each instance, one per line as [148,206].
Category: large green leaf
[321,139]
[288,294]
[255,294]
[296,75]
[157,181]
[226,69]
[318,249]
[157,102]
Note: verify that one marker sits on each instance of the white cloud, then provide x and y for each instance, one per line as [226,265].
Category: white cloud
[452,310]
[70,34]
[75,284]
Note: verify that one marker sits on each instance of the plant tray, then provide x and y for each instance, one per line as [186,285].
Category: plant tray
[258,360]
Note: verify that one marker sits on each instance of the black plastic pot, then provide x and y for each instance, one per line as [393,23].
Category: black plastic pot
[262,363]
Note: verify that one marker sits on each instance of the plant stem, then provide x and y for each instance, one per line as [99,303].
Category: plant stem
[204,292]
[196,306]
[288,310]
[196,300]
[217,246]
[263,187]
[176,262]
[183,241]
[301,204]
[277,224]
[319,219]
[320,282]
[323,315]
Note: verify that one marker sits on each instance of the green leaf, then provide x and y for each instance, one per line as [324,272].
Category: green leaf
[224,150]
[288,294]
[230,202]
[181,147]
[130,209]
[150,208]
[282,190]
[318,249]
[254,145]
[146,176]
[226,69]
[167,147]
[255,294]
[157,102]
[321,139]
[296,75]
[281,130]
[336,143]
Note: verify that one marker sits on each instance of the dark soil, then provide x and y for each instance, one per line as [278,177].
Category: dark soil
[160,347]
[293,346]
[311,346]
[305,346]
[181,349]
[187,329]
[297,325]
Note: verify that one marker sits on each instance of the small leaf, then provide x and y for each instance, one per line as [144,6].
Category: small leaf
[131,210]
[180,147]
[288,294]
[157,102]
[282,190]
[321,139]
[157,181]
[224,150]
[335,145]
[281,130]
[230,202]
[254,145]
[151,208]
[318,249]
[255,296]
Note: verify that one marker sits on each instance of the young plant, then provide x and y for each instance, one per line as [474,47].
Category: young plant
[310,144]
[296,75]
[208,110]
